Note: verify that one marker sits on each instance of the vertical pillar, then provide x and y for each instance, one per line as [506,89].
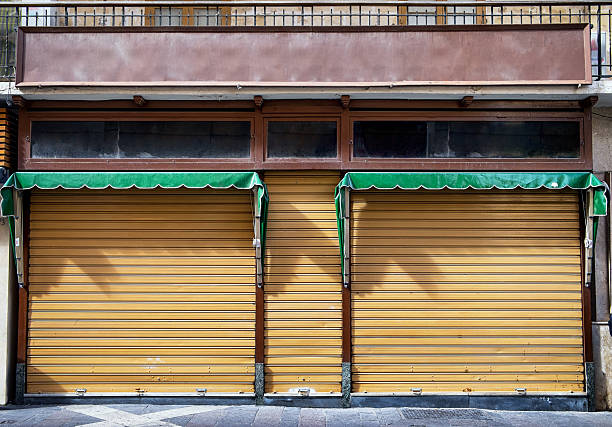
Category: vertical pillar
[21,256]
[346,304]
[259,304]
[587,253]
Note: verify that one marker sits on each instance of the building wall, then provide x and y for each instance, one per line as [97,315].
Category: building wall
[602,340]
[8,325]
[602,140]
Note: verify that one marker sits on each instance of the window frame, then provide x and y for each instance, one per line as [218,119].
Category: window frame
[307,110]
[301,160]
[479,159]
[212,163]
[481,163]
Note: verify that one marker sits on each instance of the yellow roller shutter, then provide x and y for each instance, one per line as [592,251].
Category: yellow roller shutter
[466,291]
[141,290]
[303,300]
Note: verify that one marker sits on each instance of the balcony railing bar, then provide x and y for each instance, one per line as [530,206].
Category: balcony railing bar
[339,3]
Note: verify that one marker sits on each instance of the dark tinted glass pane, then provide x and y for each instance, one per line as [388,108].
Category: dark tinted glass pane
[390,139]
[397,139]
[506,139]
[302,139]
[140,140]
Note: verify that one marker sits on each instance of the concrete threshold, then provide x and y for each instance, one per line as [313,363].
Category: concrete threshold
[501,401]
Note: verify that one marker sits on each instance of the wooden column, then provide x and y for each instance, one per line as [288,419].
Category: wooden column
[259,303]
[346,304]
[587,254]
[22,226]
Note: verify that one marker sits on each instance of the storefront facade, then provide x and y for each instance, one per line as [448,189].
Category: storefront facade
[355,250]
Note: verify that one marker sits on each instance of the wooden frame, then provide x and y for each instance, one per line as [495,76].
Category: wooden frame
[587,331]
[158,110]
[27,162]
[22,315]
[365,163]
[301,162]
[307,111]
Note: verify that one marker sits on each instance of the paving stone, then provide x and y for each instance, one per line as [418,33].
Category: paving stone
[389,416]
[139,409]
[342,417]
[207,419]
[238,416]
[61,418]
[180,421]
[268,416]
[368,416]
[311,417]
[22,414]
[290,417]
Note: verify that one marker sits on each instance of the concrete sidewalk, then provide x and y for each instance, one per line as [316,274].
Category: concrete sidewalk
[273,416]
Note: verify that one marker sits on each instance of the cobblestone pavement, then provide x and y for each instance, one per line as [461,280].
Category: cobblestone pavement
[278,416]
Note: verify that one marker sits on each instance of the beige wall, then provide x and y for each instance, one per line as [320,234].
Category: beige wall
[602,139]
[7,314]
[602,340]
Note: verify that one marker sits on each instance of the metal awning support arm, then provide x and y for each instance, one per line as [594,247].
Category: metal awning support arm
[589,239]
[18,218]
[346,250]
[257,240]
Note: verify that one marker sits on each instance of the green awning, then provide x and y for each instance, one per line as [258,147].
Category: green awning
[137,180]
[468,180]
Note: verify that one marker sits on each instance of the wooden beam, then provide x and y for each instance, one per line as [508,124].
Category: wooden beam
[589,101]
[466,101]
[345,100]
[139,100]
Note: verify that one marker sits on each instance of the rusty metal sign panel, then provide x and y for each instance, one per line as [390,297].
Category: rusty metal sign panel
[286,56]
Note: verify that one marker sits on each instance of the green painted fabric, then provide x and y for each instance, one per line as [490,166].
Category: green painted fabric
[137,180]
[468,180]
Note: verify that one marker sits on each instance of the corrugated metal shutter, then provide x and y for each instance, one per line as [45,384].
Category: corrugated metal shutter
[8,132]
[149,290]
[466,291]
[302,284]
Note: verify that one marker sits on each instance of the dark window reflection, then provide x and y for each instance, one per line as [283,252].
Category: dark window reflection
[403,139]
[302,139]
[141,140]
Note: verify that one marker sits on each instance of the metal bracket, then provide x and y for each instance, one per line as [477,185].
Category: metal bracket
[346,250]
[304,391]
[588,239]
[257,242]
[18,198]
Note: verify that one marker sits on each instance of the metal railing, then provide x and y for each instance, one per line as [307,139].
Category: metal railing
[305,14]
